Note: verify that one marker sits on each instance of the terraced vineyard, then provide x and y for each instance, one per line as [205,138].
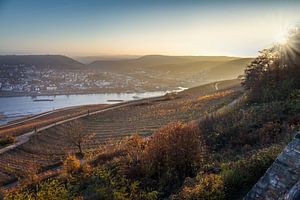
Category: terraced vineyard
[20,126]
[49,147]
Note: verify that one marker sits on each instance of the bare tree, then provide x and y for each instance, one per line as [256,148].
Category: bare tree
[77,135]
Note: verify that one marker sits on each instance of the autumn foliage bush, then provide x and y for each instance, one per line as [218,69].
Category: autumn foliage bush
[172,154]
[71,165]
[166,158]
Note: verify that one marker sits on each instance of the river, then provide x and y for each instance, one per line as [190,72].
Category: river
[12,108]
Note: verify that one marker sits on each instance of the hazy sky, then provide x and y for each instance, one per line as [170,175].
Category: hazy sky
[137,27]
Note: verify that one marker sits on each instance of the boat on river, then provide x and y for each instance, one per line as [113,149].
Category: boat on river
[43,100]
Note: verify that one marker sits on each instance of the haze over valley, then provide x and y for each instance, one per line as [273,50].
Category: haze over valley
[55,74]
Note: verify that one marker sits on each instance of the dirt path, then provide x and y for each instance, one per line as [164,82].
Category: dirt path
[219,111]
[216,86]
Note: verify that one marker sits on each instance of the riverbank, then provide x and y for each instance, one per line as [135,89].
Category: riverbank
[101,91]
[19,107]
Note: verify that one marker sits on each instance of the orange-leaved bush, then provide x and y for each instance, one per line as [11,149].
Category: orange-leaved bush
[71,165]
[171,154]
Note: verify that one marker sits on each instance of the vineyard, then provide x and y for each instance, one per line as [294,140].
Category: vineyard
[23,125]
[49,148]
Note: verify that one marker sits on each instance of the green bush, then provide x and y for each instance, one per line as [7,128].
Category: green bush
[206,187]
[109,184]
[50,190]
[241,175]
[233,181]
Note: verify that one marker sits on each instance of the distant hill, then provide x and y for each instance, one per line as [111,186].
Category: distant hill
[142,62]
[230,68]
[156,61]
[40,61]
[90,59]
[214,66]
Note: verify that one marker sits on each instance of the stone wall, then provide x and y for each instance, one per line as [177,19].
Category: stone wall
[282,179]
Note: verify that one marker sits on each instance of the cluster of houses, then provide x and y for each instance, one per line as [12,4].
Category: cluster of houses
[33,80]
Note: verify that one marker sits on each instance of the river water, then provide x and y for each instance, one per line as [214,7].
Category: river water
[12,108]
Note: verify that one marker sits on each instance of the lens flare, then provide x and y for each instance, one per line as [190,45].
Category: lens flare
[281,37]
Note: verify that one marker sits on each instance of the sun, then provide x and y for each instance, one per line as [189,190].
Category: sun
[281,37]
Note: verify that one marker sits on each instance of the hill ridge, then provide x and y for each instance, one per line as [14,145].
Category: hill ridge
[40,60]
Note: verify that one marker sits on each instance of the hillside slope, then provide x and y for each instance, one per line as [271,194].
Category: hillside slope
[229,69]
[40,61]
[159,62]
[204,68]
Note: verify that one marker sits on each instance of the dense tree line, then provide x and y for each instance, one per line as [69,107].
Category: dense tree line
[275,73]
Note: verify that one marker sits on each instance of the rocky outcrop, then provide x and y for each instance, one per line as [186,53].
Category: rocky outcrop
[282,179]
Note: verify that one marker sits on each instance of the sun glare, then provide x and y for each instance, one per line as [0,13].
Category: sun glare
[281,37]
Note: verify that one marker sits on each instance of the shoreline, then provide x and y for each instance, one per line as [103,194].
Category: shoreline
[6,120]
[18,94]
[59,110]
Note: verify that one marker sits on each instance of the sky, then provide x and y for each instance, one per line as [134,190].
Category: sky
[142,27]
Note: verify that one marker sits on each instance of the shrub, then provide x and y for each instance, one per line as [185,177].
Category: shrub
[171,154]
[30,174]
[6,140]
[239,176]
[163,160]
[53,190]
[50,190]
[270,132]
[71,165]
[209,186]
[133,150]
[233,181]
[106,183]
